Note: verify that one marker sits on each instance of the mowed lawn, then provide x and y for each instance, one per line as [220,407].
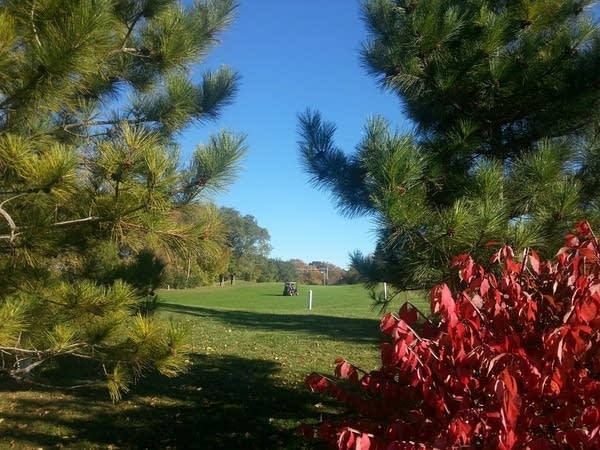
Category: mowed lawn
[251,349]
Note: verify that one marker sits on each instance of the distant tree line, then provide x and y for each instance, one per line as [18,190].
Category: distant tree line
[241,253]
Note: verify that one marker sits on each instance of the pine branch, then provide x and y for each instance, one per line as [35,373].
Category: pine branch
[11,223]
[34,28]
[130,28]
[99,123]
[78,221]
[14,228]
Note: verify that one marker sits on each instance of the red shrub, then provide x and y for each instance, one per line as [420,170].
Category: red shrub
[512,362]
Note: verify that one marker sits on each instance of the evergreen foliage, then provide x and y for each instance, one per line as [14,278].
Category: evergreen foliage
[505,102]
[92,94]
[205,263]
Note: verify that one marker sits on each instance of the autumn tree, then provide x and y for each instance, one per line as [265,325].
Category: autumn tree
[504,99]
[248,243]
[92,95]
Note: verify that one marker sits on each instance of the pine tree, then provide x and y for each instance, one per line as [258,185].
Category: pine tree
[92,95]
[504,98]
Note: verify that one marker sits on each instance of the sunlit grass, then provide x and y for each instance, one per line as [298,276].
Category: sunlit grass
[251,350]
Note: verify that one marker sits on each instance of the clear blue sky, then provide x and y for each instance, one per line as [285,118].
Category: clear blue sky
[292,55]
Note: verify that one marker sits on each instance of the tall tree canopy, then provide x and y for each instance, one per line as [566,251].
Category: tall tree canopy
[505,102]
[247,241]
[92,94]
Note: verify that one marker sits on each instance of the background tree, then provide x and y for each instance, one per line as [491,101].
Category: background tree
[306,273]
[266,270]
[248,242]
[334,274]
[325,273]
[91,96]
[317,272]
[504,98]
[352,276]
[286,271]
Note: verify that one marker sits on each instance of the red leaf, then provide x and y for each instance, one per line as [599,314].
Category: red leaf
[466,264]
[583,228]
[388,324]
[579,337]
[347,371]
[588,310]
[512,266]
[428,330]
[507,440]
[531,310]
[590,417]
[507,252]
[509,382]
[363,442]
[388,355]
[589,253]
[573,438]
[506,390]
[460,260]
[408,313]
[534,260]
[460,432]
[317,383]
[400,349]
[571,241]
[563,257]
[556,382]
[559,350]
[484,287]
[494,360]
[442,301]
[346,440]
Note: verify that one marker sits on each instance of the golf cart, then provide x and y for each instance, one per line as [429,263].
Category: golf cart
[290,288]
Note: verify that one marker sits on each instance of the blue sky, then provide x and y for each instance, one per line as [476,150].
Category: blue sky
[292,55]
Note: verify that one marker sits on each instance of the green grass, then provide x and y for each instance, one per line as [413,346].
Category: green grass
[344,300]
[251,350]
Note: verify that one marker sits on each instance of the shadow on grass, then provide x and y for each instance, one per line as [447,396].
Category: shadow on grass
[339,328]
[221,403]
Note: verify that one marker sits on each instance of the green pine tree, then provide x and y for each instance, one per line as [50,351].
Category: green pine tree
[504,98]
[92,94]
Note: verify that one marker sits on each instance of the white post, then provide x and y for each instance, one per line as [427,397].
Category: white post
[310,300]
[384,290]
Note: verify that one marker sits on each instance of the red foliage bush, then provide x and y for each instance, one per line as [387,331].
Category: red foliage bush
[511,362]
